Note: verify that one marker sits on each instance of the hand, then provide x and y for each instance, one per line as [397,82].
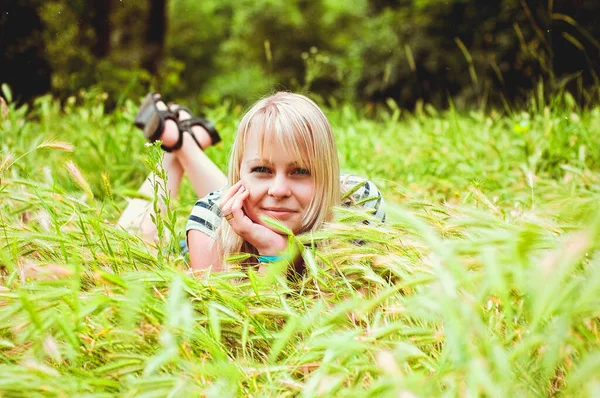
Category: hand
[265,240]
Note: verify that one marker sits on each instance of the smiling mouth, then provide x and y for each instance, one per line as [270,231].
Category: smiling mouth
[279,212]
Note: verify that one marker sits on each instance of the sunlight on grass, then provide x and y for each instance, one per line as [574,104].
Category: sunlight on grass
[484,280]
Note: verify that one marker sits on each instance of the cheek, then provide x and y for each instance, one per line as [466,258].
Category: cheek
[257,186]
[305,194]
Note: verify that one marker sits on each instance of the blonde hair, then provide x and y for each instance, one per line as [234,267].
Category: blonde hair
[297,123]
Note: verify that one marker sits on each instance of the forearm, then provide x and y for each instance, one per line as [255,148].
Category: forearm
[204,252]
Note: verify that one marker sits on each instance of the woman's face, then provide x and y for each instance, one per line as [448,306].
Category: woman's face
[279,187]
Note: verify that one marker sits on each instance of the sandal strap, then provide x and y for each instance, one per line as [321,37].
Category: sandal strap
[187,124]
[178,108]
[152,120]
[175,147]
[161,116]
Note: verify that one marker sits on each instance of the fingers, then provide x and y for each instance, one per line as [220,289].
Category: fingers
[238,200]
[231,198]
[229,193]
[234,213]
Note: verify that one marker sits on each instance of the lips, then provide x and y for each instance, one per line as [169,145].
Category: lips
[281,209]
[279,212]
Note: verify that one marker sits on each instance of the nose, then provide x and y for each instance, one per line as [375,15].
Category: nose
[280,187]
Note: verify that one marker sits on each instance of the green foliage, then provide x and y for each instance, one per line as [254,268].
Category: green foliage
[483,281]
[69,40]
[477,53]
[447,53]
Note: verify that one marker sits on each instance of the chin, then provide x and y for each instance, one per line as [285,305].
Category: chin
[295,227]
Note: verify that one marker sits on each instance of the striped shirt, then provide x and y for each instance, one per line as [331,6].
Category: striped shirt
[356,192]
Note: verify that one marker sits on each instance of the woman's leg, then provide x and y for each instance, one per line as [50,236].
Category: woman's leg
[204,175]
[137,216]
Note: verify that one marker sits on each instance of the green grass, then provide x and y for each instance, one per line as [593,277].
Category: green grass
[484,281]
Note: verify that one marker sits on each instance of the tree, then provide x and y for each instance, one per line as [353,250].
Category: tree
[155,35]
[100,23]
[22,62]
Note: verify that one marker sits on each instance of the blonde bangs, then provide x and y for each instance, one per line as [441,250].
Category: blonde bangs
[273,126]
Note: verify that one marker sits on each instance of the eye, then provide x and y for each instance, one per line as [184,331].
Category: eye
[260,169]
[302,172]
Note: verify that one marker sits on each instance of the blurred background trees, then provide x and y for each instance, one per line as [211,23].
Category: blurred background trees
[474,52]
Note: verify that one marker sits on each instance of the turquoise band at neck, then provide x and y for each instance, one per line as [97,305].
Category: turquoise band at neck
[269,259]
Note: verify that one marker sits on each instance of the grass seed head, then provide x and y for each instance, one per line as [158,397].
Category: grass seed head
[106,185]
[6,162]
[59,145]
[51,348]
[3,108]
[78,178]
[31,270]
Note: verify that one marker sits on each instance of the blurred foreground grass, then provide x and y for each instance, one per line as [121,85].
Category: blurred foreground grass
[484,281]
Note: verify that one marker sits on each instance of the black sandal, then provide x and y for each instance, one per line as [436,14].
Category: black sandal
[185,126]
[152,120]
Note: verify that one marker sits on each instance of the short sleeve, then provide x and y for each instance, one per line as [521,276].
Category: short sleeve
[206,214]
[362,193]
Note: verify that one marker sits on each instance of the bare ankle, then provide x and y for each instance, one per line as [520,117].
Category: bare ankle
[170,134]
[192,142]
[202,136]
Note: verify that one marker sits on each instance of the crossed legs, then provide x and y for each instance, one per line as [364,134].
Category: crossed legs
[204,175]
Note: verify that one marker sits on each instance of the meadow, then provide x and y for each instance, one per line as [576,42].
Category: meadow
[483,281]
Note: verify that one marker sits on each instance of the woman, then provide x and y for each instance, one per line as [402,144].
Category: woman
[283,165]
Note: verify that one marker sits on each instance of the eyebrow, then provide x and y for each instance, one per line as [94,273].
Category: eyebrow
[268,162]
